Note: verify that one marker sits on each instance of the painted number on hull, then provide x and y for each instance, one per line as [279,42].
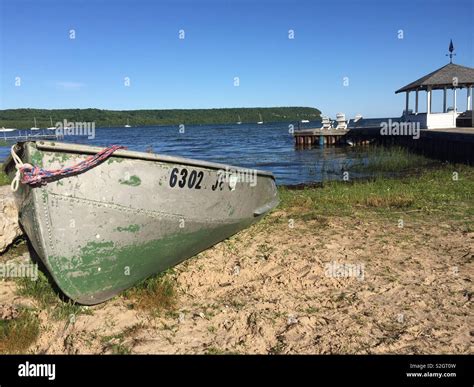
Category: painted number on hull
[219,184]
[184,178]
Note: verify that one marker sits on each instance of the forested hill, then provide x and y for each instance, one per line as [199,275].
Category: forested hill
[23,118]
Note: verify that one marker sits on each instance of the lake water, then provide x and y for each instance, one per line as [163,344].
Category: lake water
[268,147]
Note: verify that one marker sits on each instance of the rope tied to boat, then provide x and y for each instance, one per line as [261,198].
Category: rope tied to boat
[33,175]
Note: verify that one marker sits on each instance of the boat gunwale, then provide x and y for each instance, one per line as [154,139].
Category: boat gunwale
[127,154]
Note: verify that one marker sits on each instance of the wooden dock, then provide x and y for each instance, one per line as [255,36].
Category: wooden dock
[450,144]
[310,137]
[28,136]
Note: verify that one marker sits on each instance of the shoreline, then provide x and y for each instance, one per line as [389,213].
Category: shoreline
[159,117]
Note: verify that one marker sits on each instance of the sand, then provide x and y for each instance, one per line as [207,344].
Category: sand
[349,285]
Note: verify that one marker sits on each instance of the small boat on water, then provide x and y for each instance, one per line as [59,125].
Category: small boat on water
[260,122]
[3,130]
[101,230]
[304,121]
[127,125]
[35,127]
[239,121]
[52,127]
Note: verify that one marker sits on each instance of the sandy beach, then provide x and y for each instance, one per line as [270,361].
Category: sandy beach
[299,282]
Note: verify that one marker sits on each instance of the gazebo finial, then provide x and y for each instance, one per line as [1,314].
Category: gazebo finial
[451,49]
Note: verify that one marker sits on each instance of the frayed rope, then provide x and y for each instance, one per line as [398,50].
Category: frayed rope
[33,175]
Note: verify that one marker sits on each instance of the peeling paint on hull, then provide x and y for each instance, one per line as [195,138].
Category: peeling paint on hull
[98,236]
[117,269]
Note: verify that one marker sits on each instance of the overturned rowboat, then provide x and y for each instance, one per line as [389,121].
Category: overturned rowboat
[100,230]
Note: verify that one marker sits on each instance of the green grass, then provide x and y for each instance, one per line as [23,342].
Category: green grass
[43,292]
[430,191]
[116,343]
[383,160]
[155,295]
[18,334]
[4,179]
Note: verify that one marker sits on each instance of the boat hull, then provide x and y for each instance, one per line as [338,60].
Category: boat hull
[134,215]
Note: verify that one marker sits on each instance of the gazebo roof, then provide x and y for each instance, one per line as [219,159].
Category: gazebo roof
[443,77]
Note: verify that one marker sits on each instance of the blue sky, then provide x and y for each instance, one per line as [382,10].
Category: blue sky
[223,40]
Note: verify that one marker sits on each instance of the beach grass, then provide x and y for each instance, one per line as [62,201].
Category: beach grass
[382,160]
[117,343]
[47,298]
[446,190]
[4,179]
[154,295]
[18,334]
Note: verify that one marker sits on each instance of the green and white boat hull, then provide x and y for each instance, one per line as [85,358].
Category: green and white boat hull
[134,215]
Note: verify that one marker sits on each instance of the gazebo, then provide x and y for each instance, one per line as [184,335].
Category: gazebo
[449,77]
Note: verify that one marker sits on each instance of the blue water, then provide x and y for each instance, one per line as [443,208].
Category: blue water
[268,147]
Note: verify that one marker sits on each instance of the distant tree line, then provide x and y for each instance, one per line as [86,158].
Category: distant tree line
[23,118]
